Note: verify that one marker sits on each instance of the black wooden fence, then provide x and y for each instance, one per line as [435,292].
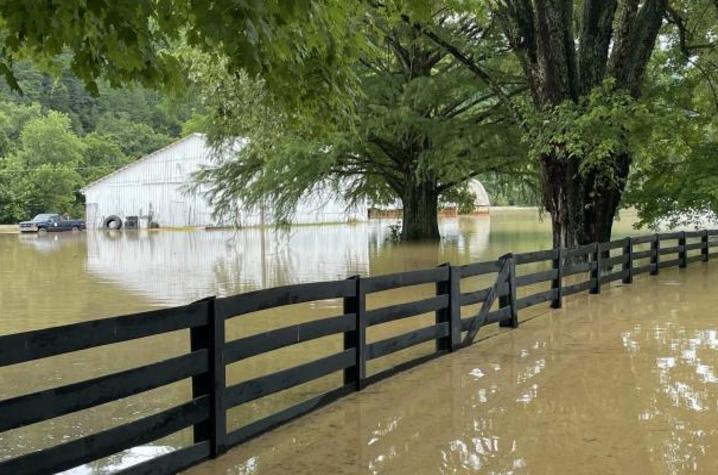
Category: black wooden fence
[585,268]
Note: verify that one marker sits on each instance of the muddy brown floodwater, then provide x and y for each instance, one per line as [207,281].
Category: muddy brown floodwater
[603,385]
[624,382]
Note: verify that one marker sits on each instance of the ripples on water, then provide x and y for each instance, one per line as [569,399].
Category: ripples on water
[606,385]
[600,383]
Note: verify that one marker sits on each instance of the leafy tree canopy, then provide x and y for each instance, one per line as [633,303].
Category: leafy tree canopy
[301,47]
[675,182]
[56,137]
[45,165]
[421,128]
[604,77]
[592,116]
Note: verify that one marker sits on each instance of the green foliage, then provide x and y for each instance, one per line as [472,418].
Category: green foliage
[679,191]
[122,40]
[419,120]
[518,189]
[594,131]
[197,123]
[101,157]
[66,93]
[45,165]
[461,197]
[49,141]
[666,138]
[675,178]
[12,120]
[134,139]
[327,93]
[303,48]
[57,137]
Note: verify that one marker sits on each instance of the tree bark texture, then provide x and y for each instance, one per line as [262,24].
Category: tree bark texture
[420,211]
[616,38]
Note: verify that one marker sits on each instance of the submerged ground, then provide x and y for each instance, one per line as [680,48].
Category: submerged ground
[624,382]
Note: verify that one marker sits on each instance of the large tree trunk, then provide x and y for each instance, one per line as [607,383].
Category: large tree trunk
[562,184]
[601,200]
[616,39]
[582,206]
[420,211]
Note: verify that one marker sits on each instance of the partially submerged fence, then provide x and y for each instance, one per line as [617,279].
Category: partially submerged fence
[585,268]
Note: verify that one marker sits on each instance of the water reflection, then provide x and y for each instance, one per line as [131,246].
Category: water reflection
[171,268]
[456,414]
[621,383]
[125,459]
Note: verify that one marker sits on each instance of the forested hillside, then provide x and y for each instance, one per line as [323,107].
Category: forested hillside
[56,137]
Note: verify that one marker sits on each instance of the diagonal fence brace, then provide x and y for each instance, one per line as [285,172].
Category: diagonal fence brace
[478,321]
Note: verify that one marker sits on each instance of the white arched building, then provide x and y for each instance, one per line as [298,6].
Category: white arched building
[482,202]
[153,189]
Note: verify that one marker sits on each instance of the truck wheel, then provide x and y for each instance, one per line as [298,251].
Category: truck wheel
[41,230]
[75,229]
[112,222]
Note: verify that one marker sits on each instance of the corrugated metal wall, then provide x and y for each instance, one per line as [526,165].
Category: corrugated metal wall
[153,187]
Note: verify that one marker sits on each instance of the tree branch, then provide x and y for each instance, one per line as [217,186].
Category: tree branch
[596,33]
[635,41]
[474,68]
[674,17]
[517,22]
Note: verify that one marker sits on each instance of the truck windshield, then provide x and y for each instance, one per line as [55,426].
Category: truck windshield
[43,217]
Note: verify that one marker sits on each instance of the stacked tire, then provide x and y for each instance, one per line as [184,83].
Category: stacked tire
[112,222]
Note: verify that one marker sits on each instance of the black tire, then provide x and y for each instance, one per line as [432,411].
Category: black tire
[75,229]
[41,230]
[112,222]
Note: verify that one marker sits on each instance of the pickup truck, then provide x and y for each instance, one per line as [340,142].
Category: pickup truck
[51,223]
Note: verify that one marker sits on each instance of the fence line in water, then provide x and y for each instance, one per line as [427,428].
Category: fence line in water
[210,353]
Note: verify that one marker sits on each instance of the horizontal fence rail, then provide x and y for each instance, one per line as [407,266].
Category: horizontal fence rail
[204,364]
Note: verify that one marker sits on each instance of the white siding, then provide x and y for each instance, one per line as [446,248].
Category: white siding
[154,186]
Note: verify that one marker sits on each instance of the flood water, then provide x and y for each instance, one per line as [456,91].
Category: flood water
[601,382]
[624,382]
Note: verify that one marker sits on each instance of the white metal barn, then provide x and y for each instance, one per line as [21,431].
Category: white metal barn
[152,189]
[482,202]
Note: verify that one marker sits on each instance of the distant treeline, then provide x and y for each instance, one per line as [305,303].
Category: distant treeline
[55,137]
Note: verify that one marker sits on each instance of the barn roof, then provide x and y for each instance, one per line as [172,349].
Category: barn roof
[141,160]
[482,197]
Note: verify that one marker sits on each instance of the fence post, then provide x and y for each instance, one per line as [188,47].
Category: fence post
[682,253]
[655,254]
[212,383]
[443,287]
[628,261]
[596,271]
[454,308]
[557,282]
[356,338]
[705,249]
[510,299]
